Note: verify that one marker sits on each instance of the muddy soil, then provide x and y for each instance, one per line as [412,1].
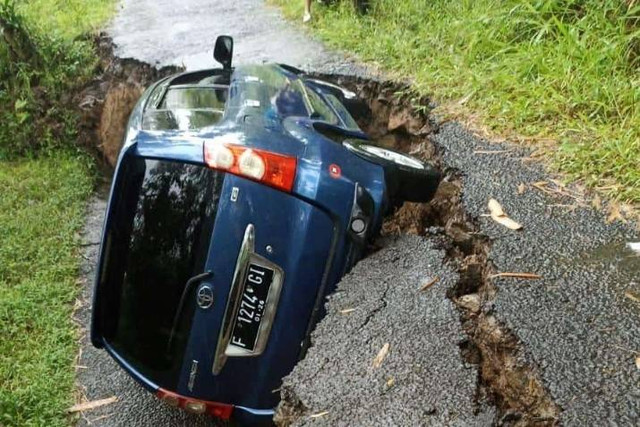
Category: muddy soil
[106,102]
[504,379]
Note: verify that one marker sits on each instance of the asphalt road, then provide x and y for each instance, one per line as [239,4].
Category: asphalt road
[169,32]
[576,327]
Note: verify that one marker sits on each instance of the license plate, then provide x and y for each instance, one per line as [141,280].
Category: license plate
[252,305]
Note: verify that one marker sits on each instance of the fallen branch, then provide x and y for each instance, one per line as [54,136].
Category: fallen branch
[430,283]
[632,296]
[517,275]
[87,406]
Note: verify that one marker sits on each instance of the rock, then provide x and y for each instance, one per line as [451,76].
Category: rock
[470,302]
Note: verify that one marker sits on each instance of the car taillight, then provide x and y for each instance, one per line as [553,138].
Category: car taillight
[220,410]
[263,166]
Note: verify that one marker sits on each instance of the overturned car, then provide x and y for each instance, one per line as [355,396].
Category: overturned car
[240,198]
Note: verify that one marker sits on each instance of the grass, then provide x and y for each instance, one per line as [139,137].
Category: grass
[45,182]
[561,74]
[67,19]
[41,209]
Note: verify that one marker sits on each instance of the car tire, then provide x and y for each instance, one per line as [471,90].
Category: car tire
[408,178]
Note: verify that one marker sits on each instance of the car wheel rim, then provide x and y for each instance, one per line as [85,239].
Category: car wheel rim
[398,158]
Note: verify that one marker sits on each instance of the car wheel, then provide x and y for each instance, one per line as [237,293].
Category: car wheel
[408,178]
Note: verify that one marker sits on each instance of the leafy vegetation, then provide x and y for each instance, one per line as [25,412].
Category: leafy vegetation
[45,182]
[42,58]
[563,74]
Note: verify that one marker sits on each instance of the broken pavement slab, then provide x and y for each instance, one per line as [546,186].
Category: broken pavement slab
[421,379]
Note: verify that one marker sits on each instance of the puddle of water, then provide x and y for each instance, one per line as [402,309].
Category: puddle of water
[618,255]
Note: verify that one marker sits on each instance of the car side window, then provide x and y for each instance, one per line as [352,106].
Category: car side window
[318,108]
[348,121]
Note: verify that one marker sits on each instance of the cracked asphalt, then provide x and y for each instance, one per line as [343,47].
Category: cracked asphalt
[576,327]
[422,380]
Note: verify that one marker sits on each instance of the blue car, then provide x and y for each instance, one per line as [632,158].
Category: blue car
[240,198]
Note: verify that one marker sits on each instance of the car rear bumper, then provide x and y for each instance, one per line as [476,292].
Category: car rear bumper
[242,414]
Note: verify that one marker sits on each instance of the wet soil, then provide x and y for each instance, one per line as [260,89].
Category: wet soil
[106,102]
[393,118]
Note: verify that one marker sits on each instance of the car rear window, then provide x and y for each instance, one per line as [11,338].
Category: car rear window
[187,108]
[158,237]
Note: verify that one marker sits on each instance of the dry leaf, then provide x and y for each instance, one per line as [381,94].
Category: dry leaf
[517,275]
[597,202]
[615,214]
[430,283]
[382,354]
[522,188]
[498,215]
[390,382]
[347,310]
[87,406]
[638,362]
[632,296]
[495,208]
[319,414]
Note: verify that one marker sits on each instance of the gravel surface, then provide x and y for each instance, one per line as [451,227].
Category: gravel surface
[577,328]
[167,32]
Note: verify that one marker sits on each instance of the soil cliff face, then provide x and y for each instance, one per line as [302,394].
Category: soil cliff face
[105,103]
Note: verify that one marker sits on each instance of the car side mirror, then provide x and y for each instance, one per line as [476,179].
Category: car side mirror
[223,51]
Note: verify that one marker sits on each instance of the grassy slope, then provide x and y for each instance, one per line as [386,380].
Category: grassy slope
[551,72]
[42,204]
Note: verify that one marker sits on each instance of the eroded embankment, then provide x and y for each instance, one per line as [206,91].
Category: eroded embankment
[105,103]
[505,379]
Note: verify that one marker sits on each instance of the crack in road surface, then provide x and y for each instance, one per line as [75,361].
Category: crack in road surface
[470,349]
[512,375]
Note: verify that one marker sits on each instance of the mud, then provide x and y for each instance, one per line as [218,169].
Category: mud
[106,102]
[504,378]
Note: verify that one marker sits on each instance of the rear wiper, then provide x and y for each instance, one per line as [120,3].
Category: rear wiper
[183,297]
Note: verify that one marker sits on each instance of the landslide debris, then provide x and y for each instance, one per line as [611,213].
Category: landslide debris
[396,118]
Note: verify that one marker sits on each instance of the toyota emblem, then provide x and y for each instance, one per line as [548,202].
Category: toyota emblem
[205,297]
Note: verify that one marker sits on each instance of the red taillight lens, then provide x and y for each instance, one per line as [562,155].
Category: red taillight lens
[220,410]
[263,166]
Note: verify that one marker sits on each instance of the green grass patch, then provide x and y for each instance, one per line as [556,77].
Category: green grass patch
[67,19]
[44,186]
[42,206]
[566,71]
